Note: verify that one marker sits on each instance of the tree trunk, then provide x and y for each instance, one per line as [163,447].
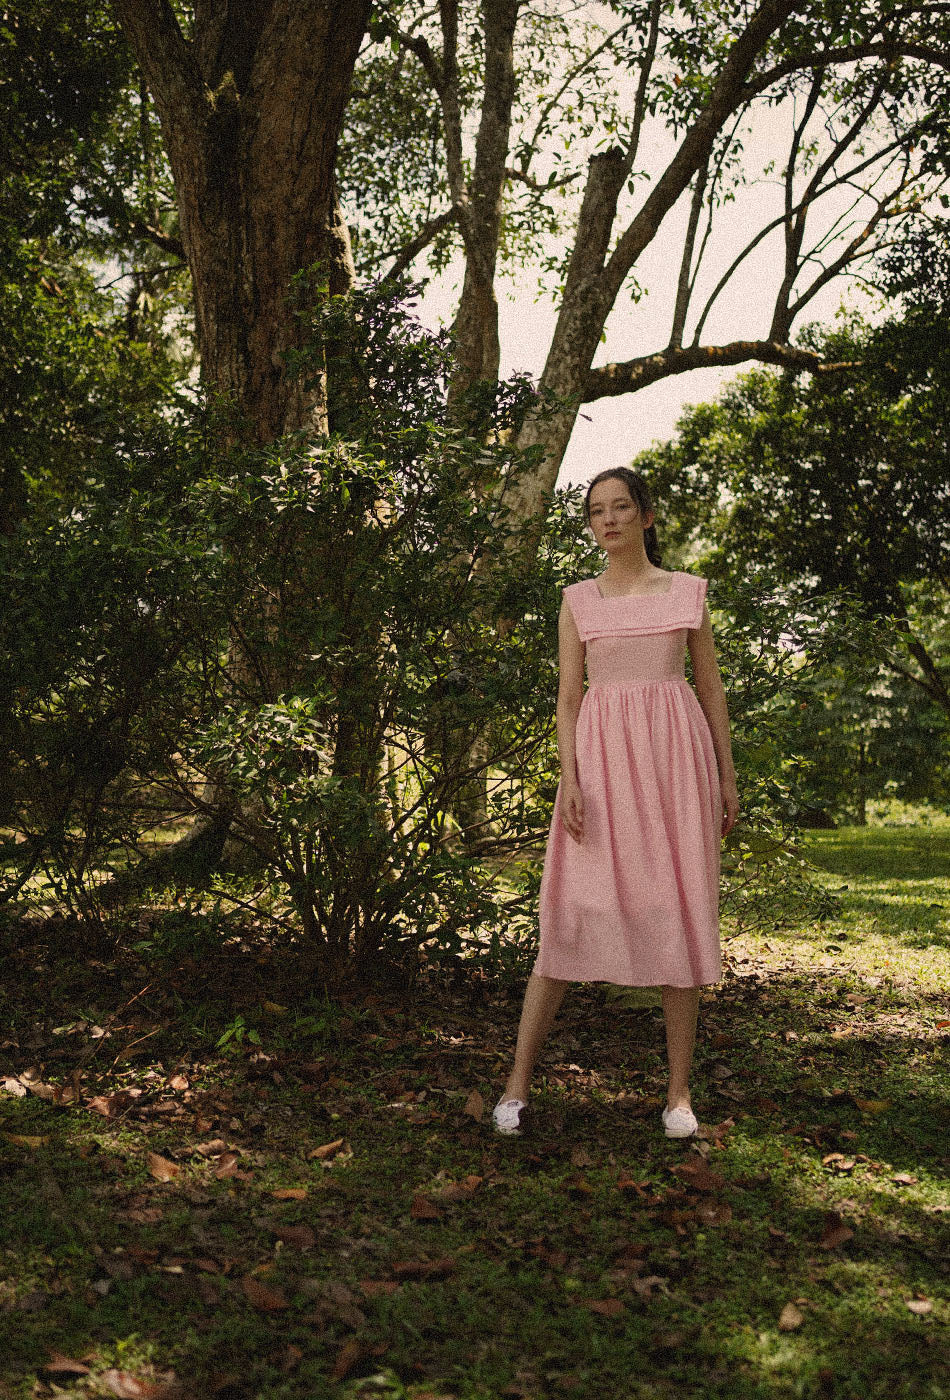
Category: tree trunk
[251,103]
[250,107]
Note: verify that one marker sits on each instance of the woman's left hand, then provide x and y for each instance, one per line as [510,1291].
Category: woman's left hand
[730,805]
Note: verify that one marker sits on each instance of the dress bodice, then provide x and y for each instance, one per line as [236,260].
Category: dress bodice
[631,638]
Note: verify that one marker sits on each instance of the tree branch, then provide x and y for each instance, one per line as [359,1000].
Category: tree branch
[451,110]
[540,186]
[417,45]
[775,223]
[852,53]
[404,256]
[574,72]
[627,377]
[795,219]
[932,682]
[685,283]
[165,241]
[726,95]
[165,58]
[834,268]
[646,68]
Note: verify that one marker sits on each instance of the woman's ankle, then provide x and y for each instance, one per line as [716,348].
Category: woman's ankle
[515,1089]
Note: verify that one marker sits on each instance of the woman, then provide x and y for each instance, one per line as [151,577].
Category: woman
[630,887]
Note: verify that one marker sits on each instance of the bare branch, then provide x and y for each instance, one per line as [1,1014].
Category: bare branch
[795,219]
[624,378]
[417,45]
[646,68]
[575,72]
[857,243]
[541,186]
[852,53]
[685,283]
[815,195]
[404,256]
[451,108]
[165,241]
[727,94]
[713,186]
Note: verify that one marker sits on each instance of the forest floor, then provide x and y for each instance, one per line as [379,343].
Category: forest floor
[318,1207]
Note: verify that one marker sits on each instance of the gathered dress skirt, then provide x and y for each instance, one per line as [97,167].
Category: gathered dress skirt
[636,901]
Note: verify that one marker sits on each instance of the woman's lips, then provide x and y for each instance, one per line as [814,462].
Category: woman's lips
[611,534]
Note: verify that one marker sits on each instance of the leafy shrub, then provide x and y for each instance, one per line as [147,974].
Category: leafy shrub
[324,647]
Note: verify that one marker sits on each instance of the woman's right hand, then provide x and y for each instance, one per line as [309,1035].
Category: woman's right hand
[572,809]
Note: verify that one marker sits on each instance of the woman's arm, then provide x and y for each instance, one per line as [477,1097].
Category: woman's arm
[712,697]
[570,693]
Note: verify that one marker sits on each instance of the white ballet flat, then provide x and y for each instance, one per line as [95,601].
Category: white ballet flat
[506,1116]
[679,1122]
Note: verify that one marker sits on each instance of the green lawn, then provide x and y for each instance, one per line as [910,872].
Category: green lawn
[799,1248]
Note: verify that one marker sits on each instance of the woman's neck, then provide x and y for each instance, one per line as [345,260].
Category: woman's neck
[626,569]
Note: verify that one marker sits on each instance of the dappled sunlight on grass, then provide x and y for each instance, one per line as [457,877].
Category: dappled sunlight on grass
[279,1197]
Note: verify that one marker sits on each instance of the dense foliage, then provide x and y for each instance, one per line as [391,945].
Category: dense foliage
[837,484]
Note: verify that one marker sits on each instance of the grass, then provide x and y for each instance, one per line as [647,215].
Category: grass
[797,1249]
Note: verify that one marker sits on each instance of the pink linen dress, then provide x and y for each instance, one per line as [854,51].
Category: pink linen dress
[636,902]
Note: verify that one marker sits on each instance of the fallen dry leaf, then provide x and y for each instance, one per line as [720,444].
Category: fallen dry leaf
[328,1150]
[161,1168]
[350,1353]
[26,1140]
[15,1087]
[903,1179]
[65,1366]
[301,1236]
[46,1092]
[129,1387]
[178,1082]
[424,1268]
[211,1148]
[290,1193]
[141,1215]
[475,1106]
[226,1165]
[456,1190]
[373,1287]
[262,1296]
[109,1105]
[580,1157]
[790,1318]
[632,1253]
[64,1094]
[920,1306]
[422,1207]
[699,1176]
[835,1231]
[871,1105]
[607,1307]
[292,1357]
[839,1161]
[714,1212]
[627,1183]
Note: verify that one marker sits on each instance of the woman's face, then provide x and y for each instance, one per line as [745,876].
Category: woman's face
[616,520]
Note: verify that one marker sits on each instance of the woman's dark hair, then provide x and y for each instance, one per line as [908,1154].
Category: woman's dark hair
[639,492]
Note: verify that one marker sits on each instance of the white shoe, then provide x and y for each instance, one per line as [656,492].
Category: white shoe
[506,1116]
[679,1122]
